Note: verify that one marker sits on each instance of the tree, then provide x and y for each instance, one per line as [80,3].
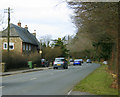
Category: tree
[51,53]
[89,18]
[2,22]
[62,45]
[99,20]
[46,39]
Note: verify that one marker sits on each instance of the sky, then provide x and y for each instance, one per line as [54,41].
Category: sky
[48,17]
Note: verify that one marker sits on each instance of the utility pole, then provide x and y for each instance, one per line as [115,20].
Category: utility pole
[118,53]
[8,28]
[8,34]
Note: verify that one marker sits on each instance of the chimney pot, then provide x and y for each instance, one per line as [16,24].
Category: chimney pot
[19,24]
[26,27]
[34,33]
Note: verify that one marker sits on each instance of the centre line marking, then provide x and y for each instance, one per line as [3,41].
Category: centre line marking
[33,78]
[1,87]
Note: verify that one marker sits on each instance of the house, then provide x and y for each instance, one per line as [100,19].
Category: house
[21,40]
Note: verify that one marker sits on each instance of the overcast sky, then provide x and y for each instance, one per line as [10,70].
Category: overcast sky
[47,17]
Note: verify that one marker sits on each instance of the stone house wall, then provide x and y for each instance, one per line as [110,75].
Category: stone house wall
[17,42]
[19,46]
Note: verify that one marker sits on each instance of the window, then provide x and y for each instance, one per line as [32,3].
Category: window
[26,46]
[5,45]
[23,46]
[11,45]
[29,47]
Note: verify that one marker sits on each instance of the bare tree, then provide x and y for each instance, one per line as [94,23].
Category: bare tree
[46,39]
[3,21]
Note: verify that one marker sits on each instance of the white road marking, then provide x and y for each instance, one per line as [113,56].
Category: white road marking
[1,87]
[33,78]
[69,92]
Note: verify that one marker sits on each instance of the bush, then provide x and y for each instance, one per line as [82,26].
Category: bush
[35,58]
[14,60]
[17,60]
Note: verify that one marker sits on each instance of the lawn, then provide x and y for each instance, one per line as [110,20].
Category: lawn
[98,83]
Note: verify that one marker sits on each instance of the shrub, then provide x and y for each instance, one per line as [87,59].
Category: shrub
[35,58]
[14,60]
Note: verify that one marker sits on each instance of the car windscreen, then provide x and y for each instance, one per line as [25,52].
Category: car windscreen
[59,60]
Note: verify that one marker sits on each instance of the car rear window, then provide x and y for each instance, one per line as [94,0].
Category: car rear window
[76,60]
[59,60]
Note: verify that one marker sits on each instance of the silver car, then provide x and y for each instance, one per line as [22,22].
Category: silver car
[60,63]
[88,61]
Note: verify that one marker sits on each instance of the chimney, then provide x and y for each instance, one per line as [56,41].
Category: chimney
[26,27]
[19,24]
[34,33]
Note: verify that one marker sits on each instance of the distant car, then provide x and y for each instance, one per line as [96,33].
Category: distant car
[105,62]
[44,63]
[71,61]
[60,63]
[81,60]
[88,61]
[77,62]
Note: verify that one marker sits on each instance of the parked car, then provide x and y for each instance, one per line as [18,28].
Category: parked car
[60,63]
[71,61]
[77,62]
[88,61]
[81,60]
[44,63]
[105,62]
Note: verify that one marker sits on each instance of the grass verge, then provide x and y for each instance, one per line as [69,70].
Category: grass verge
[98,83]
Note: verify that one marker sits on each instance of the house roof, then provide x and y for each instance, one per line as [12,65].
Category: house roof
[23,33]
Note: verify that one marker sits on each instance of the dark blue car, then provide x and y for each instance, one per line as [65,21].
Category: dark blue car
[77,62]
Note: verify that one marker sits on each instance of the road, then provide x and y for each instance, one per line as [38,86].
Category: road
[46,82]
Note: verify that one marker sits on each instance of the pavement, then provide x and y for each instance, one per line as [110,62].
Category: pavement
[24,71]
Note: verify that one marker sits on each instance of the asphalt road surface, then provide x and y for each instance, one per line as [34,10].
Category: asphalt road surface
[46,82]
